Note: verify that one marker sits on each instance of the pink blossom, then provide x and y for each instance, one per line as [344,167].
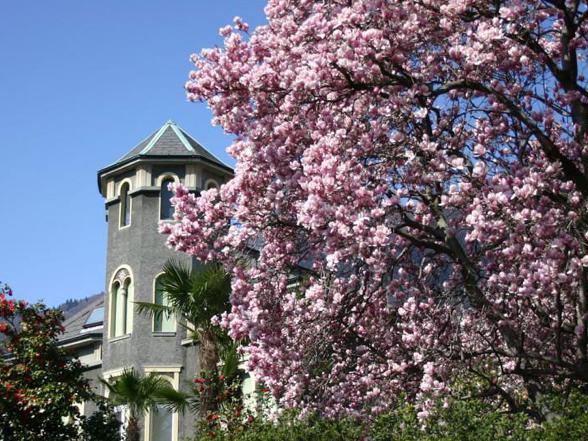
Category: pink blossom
[426,164]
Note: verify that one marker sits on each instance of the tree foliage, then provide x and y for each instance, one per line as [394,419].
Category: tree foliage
[427,161]
[39,382]
[450,420]
[139,394]
[196,297]
[102,425]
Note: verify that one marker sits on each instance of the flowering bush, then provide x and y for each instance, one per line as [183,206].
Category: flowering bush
[39,383]
[450,420]
[229,413]
[426,162]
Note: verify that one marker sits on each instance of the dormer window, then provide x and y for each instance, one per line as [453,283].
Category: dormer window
[166,207]
[125,205]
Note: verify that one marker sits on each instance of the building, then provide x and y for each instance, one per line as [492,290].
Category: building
[109,335]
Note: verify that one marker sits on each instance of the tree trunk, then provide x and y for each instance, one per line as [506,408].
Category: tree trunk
[133,430]
[209,359]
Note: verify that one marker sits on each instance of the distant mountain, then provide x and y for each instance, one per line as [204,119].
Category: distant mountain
[72,306]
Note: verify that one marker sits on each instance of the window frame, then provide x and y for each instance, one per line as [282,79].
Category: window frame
[172,317]
[210,183]
[124,204]
[121,277]
[166,176]
[172,374]
[123,409]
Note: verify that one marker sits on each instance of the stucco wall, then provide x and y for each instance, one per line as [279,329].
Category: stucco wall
[143,249]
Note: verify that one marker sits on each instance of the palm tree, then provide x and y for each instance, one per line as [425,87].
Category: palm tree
[139,394]
[196,297]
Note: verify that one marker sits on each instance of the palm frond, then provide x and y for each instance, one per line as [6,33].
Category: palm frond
[135,391]
[173,400]
[211,288]
[196,295]
[154,309]
[230,361]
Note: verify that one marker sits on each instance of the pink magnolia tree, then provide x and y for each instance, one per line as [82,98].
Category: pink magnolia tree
[427,161]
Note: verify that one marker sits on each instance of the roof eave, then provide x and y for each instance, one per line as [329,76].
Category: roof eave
[127,161]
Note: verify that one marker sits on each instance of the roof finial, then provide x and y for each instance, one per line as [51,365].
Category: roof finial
[170,122]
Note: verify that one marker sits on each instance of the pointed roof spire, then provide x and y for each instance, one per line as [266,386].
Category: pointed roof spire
[170,140]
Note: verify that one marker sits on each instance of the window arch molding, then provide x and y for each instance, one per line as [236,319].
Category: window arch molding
[122,276]
[121,183]
[165,212]
[210,183]
[126,203]
[171,374]
[167,175]
[163,324]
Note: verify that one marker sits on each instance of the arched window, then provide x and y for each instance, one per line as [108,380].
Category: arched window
[211,184]
[162,322]
[162,424]
[125,205]
[121,295]
[166,207]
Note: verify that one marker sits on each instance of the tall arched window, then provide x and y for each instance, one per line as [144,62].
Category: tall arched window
[121,295]
[166,208]
[125,205]
[163,322]
[161,423]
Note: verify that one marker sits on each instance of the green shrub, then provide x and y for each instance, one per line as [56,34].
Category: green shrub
[470,420]
[568,420]
[102,425]
[288,427]
[461,421]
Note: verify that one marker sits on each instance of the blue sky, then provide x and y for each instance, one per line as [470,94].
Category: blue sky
[81,82]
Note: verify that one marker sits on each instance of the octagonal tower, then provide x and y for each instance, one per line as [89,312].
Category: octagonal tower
[137,198]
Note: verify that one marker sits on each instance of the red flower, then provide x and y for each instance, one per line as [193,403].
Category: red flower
[213,417]
[3,327]
[19,395]
[200,380]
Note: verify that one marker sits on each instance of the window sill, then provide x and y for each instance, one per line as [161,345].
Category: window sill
[119,337]
[188,342]
[163,334]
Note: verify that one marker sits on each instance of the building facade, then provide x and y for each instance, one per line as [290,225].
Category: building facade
[137,198]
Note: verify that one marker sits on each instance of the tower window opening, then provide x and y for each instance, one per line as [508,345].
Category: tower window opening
[166,207]
[121,297]
[162,322]
[125,207]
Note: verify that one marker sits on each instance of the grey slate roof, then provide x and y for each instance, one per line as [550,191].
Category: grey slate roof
[170,140]
[75,324]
